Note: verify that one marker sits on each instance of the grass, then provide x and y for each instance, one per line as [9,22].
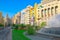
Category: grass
[18,35]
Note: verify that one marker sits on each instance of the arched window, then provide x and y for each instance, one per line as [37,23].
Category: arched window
[58,0]
[56,7]
[45,12]
[52,10]
[42,12]
[48,12]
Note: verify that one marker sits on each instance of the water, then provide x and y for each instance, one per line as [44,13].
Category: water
[53,26]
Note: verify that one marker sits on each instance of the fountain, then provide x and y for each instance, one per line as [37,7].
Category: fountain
[53,26]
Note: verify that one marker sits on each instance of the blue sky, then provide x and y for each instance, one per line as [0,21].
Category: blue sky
[13,6]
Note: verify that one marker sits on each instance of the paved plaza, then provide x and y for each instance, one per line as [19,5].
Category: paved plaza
[39,36]
[6,34]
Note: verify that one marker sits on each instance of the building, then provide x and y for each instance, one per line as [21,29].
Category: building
[44,11]
[26,15]
[22,17]
[48,9]
[17,18]
[39,13]
[34,14]
[7,20]
[1,19]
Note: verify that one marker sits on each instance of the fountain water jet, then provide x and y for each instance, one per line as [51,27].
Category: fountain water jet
[53,26]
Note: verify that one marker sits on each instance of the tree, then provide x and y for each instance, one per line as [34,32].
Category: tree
[31,30]
[1,25]
[22,26]
[43,24]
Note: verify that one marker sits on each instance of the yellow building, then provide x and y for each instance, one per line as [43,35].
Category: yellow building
[34,14]
[1,18]
[45,10]
[40,12]
[48,9]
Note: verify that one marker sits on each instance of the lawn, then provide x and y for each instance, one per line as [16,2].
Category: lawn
[18,35]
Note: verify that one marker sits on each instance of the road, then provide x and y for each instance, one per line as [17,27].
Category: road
[6,34]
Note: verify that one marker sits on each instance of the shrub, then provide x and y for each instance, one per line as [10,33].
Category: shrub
[22,25]
[1,25]
[37,27]
[31,30]
[15,26]
[42,24]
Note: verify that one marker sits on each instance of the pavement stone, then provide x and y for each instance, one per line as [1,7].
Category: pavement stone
[37,37]
[6,34]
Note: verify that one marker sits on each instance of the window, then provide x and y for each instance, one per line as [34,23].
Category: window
[45,12]
[56,9]
[52,10]
[48,12]
[42,13]
[58,0]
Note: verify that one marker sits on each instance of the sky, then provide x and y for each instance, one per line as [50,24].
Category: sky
[11,7]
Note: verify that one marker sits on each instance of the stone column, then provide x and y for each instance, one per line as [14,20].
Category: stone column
[54,12]
[58,9]
[40,14]
[43,14]
[50,12]
[47,14]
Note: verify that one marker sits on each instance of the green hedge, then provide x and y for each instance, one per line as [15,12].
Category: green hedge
[19,26]
[1,25]
[15,26]
[22,25]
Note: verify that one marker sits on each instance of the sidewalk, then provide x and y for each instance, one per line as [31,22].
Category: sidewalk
[6,34]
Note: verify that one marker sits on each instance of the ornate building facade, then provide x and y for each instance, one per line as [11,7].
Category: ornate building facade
[39,13]
[47,9]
